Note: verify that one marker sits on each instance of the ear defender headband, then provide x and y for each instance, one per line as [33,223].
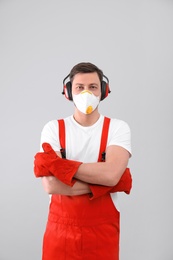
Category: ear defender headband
[67,88]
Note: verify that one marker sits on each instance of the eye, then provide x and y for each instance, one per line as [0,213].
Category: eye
[93,87]
[80,87]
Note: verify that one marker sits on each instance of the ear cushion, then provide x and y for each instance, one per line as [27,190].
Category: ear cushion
[104,90]
[68,90]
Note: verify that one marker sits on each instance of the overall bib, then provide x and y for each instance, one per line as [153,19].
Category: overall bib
[80,228]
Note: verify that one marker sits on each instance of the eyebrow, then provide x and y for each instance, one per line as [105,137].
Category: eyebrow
[81,84]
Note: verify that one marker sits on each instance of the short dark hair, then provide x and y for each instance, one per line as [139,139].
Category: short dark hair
[85,67]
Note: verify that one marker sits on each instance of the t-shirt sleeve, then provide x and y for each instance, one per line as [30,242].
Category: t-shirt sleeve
[50,134]
[120,134]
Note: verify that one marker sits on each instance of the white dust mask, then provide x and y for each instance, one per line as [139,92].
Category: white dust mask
[86,101]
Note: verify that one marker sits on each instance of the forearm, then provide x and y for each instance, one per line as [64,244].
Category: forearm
[53,186]
[106,173]
[101,173]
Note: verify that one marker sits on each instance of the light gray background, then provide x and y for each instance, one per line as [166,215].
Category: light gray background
[132,41]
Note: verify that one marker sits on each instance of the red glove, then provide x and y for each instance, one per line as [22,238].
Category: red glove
[124,184]
[39,168]
[62,169]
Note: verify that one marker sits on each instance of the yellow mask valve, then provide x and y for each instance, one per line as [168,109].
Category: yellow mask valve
[89,110]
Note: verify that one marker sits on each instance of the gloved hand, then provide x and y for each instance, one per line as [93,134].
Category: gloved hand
[124,185]
[62,169]
[39,168]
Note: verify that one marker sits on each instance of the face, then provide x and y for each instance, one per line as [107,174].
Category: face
[86,81]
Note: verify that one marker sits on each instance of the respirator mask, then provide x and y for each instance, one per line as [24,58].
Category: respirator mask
[86,101]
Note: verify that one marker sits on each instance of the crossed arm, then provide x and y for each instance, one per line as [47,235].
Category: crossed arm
[107,174]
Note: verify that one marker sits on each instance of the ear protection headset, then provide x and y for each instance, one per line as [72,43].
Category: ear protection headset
[67,88]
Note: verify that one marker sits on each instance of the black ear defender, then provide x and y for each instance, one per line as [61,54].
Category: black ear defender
[67,88]
[105,89]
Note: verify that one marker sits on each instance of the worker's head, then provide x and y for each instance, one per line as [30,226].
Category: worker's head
[86,87]
[92,72]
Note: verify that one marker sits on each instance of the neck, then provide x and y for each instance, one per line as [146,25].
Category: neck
[86,120]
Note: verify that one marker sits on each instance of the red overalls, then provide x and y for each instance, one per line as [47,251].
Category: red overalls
[80,228]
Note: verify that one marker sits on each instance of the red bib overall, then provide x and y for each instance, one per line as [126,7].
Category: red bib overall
[80,228]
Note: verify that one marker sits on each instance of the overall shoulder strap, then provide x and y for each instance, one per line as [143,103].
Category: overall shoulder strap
[104,137]
[62,137]
[103,142]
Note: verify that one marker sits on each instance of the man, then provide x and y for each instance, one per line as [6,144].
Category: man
[83,164]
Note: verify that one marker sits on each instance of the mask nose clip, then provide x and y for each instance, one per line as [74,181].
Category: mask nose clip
[86,91]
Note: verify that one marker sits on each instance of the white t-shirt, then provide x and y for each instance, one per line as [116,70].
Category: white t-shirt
[83,142]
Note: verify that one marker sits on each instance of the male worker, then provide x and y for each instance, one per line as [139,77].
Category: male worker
[83,164]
